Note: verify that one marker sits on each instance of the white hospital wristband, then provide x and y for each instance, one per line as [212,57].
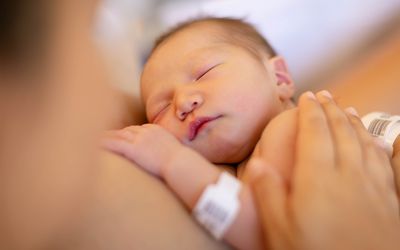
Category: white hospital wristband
[384,126]
[219,205]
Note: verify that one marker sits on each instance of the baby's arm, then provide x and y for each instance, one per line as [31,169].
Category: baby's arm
[187,173]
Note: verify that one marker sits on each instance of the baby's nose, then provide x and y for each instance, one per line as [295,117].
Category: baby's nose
[186,109]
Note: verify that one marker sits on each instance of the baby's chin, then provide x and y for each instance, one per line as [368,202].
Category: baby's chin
[223,155]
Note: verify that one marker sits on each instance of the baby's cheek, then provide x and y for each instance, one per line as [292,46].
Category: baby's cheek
[173,129]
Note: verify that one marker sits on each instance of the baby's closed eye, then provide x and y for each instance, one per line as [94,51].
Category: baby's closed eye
[205,71]
[160,112]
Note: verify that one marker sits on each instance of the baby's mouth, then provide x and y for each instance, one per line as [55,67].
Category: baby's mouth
[197,124]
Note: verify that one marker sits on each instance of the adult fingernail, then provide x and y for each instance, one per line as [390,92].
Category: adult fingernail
[326,94]
[352,111]
[310,95]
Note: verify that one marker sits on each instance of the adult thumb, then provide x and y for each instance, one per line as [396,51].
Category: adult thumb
[271,199]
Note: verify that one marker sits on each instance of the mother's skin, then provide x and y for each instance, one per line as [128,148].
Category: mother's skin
[57,190]
[132,210]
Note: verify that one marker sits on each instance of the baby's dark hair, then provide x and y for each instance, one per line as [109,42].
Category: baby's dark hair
[235,31]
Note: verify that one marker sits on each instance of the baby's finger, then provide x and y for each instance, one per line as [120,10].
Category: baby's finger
[278,142]
[109,136]
[315,151]
[133,129]
[126,134]
[347,146]
[120,147]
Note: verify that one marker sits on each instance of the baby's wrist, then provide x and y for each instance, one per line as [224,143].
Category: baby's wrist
[385,127]
[172,159]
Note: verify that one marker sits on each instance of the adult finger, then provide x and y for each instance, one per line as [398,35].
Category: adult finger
[314,147]
[278,141]
[271,198]
[375,159]
[396,147]
[396,164]
[377,164]
[346,143]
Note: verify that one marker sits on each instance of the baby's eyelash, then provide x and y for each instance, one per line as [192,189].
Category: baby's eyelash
[205,72]
[159,112]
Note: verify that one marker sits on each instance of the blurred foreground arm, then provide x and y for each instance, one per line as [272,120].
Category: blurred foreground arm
[132,210]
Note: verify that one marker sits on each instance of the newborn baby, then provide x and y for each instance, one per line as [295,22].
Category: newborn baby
[210,87]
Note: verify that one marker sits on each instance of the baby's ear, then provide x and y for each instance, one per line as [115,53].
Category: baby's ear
[284,79]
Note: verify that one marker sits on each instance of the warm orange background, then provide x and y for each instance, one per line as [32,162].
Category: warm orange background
[373,82]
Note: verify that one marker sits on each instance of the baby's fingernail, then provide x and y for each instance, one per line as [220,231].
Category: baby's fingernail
[125,134]
[352,111]
[326,94]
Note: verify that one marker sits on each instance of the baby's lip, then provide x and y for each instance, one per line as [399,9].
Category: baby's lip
[197,124]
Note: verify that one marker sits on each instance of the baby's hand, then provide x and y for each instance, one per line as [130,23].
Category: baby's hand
[149,146]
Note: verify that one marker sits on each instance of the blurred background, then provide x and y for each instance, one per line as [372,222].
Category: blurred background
[327,44]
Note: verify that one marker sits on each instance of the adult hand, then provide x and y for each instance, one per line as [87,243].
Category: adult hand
[342,193]
[149,146]
[396,164]
[277,145]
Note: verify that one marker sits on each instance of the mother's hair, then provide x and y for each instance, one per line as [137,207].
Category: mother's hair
[23,28]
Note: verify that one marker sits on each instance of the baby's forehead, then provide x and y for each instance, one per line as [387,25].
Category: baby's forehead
[188,43]
[169,59]
[210,34]
[163,65]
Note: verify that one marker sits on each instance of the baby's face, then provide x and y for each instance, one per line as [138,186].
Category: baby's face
[214,97]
